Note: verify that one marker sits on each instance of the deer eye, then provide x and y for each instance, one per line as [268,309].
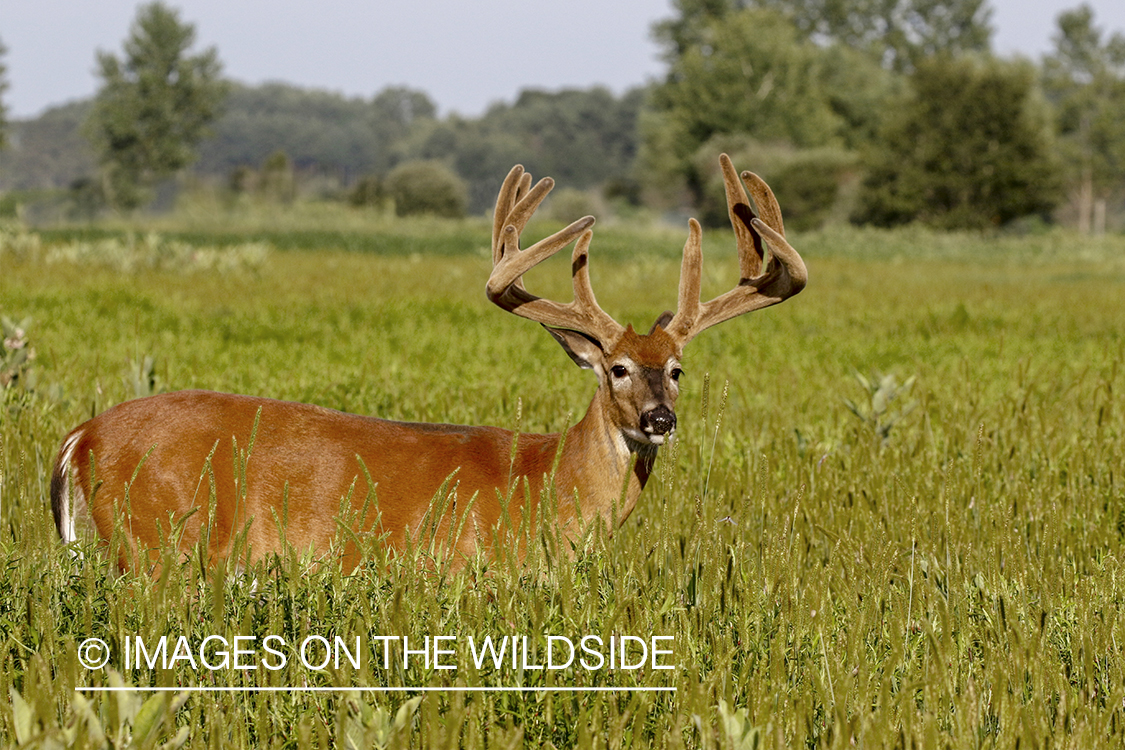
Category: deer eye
[676,373]
[619,371]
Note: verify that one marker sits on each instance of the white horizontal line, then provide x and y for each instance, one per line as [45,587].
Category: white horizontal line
[233,689]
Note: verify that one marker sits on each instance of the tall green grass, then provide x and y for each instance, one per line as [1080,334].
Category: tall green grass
[954,580]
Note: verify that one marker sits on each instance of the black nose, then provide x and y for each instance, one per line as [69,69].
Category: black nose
[658,421]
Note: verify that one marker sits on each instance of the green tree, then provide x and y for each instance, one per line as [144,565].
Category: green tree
[319,130]
[861,93]
[476,153]
[970,148]
[426,187]
[896,33]
[52,152]
[395,112]
[753,73]
[1085,79]
[582,138]
[277,182]
[154,105]
[368,192]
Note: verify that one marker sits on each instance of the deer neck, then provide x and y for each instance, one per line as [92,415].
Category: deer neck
[606,468]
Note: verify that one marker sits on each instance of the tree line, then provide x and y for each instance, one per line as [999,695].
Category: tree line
[879,112]
[890,111]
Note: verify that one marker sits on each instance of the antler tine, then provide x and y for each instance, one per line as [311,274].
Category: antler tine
[514,191]
[749,244]
[605,328]
[514,263]
[516,203]
[768,210]
[792,267]
[691,279]
[755,290]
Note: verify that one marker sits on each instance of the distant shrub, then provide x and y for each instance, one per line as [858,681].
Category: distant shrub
[427,187]
[623,190]
[277,181]
[808,190]
[368,192]
[242,180]
[569,204]
[87,198]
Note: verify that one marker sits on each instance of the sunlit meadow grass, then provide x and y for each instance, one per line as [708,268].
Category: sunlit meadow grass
[952,580]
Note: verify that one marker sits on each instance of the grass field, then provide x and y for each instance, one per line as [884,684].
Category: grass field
[835,567]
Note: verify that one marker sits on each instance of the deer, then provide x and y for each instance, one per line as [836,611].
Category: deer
[152,470]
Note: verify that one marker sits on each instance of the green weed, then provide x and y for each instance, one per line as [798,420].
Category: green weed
[956,582]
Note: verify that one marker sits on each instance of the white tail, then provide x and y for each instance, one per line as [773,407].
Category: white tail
[162,468]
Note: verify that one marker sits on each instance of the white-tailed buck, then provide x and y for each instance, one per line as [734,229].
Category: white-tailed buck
[162,469]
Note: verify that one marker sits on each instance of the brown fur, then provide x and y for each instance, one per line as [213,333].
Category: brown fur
[307,463]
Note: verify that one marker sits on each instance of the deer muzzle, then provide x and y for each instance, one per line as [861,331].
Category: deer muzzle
[658,423]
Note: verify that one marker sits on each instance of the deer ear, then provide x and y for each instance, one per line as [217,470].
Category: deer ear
[662,322]
[583,349]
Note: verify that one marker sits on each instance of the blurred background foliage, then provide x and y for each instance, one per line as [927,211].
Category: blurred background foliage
[869,113]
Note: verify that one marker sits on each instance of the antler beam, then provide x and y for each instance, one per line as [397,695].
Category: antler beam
[514,206]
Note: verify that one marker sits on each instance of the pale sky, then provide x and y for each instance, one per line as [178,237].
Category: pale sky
[465,54]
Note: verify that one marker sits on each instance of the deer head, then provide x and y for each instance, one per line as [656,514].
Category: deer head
[638,374]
